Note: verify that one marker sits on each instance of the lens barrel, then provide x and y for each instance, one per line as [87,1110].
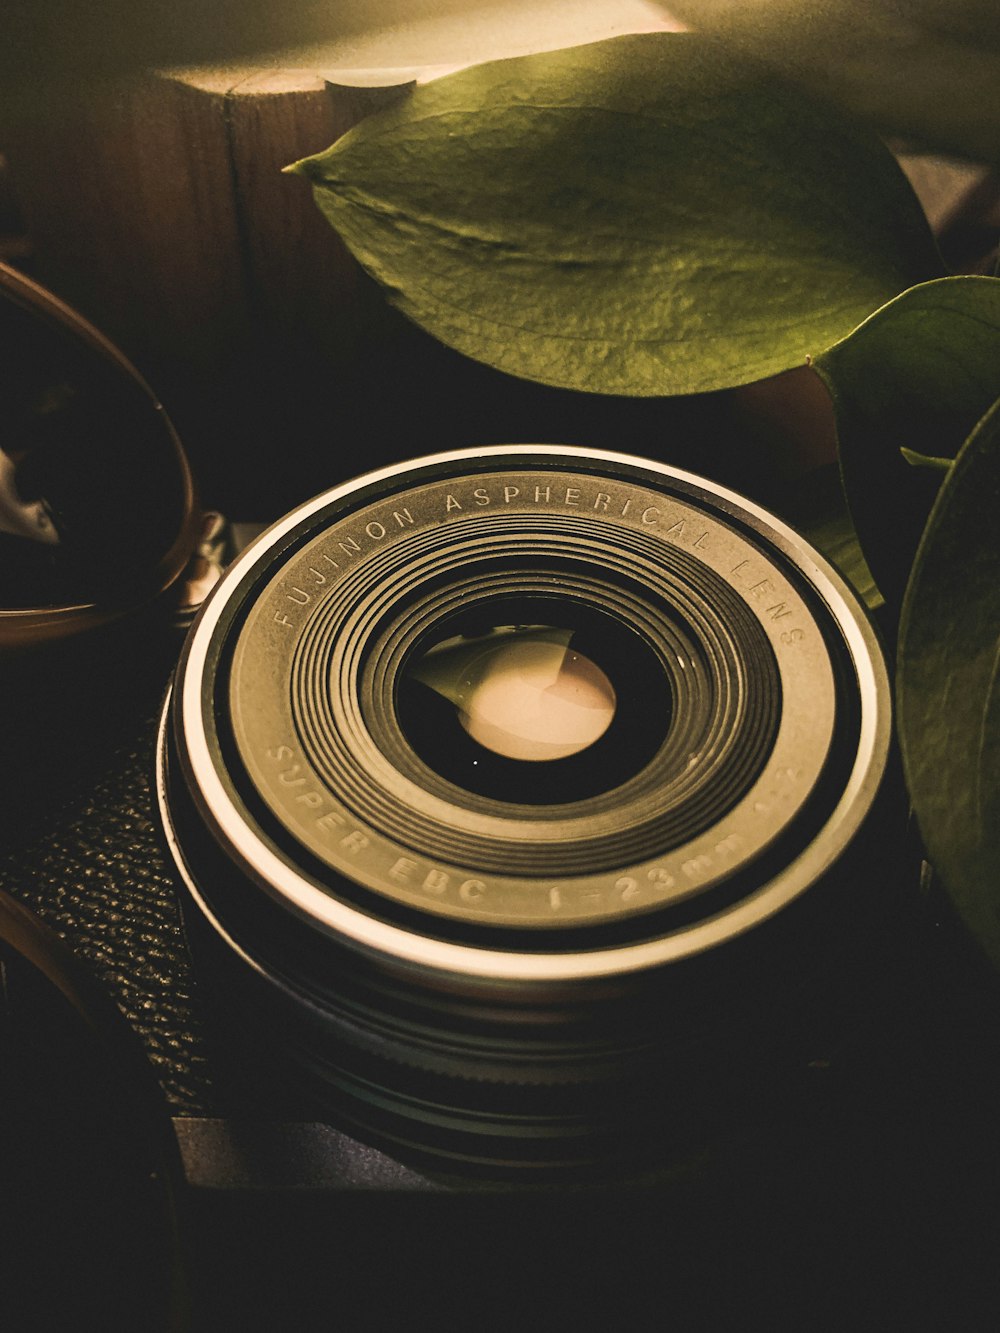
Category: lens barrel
[529,798]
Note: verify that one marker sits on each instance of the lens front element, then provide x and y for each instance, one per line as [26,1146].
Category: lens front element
[522,691]
[533,712]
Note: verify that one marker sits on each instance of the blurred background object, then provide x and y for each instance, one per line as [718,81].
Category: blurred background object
[49,41]
[926,69]
[97,508]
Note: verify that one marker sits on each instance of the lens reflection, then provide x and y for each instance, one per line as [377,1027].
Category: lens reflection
[523,692]
[535,712]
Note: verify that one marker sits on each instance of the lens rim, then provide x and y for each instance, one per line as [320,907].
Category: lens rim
[396,945]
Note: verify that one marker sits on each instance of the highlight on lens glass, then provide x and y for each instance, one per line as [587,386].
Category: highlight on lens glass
[97,510]
[522,691]
[520,795]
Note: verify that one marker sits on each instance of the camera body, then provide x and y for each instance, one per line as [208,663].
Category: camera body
[750,1105]
[291,1204]
[782,1119]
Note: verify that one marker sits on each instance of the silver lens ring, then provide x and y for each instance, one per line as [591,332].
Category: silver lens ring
[316,841]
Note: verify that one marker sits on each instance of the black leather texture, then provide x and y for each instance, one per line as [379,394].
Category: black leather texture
[79,838]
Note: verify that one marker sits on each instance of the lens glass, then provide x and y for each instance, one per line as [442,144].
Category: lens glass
[534,700]
[522,691]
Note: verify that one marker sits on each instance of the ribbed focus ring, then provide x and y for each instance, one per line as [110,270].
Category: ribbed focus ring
[726,699]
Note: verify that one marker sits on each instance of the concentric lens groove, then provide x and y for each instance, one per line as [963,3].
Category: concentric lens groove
[662,808]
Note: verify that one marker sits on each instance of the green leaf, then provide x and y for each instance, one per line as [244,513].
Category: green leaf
[640,216]
[925,460]
[948,684]
[916,376]
[818,509]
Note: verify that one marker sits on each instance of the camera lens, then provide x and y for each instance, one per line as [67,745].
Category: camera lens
[516,789]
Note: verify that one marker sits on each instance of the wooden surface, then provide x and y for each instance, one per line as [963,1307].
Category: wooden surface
[158,207]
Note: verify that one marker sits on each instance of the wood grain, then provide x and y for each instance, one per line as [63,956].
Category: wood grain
[158,207]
